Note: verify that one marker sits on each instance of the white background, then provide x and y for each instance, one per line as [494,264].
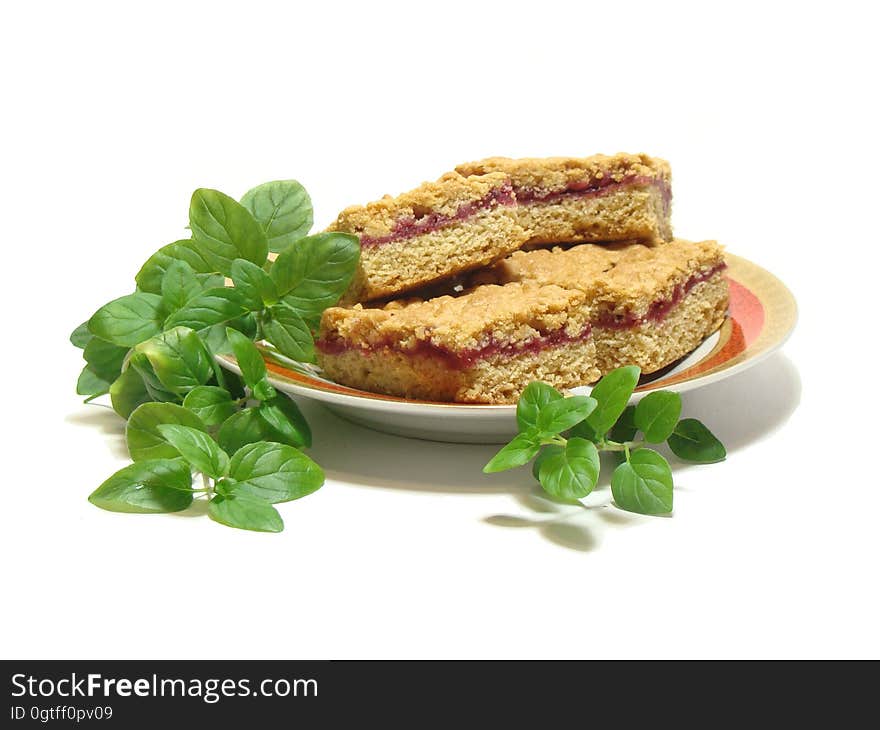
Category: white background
[114,112]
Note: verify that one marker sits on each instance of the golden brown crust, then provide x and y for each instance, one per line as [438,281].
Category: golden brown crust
[509,314]
[618,276]
[444,196]
[557,173]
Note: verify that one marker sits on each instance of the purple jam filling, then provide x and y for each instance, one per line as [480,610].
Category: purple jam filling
[593,189]
[658,309]
[464,358]
[412,226]
[545,340]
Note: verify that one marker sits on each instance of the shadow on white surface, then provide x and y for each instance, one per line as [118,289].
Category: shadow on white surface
[105,421]
[740,410]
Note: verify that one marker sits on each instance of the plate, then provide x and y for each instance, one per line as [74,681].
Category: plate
[762,315]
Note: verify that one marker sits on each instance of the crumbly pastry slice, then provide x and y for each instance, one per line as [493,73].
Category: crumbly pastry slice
[650,305]
[484,346]
[438,230]
[598,198]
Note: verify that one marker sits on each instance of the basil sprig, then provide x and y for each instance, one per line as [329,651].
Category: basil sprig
[565,435]
[153,351]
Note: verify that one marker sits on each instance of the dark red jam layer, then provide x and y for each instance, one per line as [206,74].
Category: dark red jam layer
[593,189]
[417,225]
[545,340]
[465,358]
[658,309]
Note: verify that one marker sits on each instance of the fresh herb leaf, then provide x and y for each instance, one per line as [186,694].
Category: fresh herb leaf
[625,429]
[560,415]
[571,472]
[535,397]
[128,320]
[656,415]
[179,285]
[179,359]
[585,431]
[149,278]
[197,448]
[692,441]
[224,230]
[128,392]
[248,357]
[154,485]
[210,403]
[91,384]
[142,435]
[104,359]
[643,484]
[242,428]
[263,390]
[286,420]
[612,394]
[287,331]
[283,209]
[80,336]
[213,306]
[274,472]
[546,452]
[141,364]
[313,273]
[254,284]
[519,451]
[245,513]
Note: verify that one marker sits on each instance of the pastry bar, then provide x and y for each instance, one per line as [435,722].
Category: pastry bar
[438,230]
[483,346]
[599,198]
[650,305]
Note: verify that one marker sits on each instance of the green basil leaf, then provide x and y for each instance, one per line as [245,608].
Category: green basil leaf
[612,393]
[560,415]
[211,307]
[104,358]
[286,420]
[197,448]
[80,336]
[142,434]
[242,428]
[141,364]
[179,285]
[585,431]
[314,272]
[518,452]
[255,285]
[215,338]
[248,357]
[625,429]
[283,209]
[128,320]
[692,441]
[155,485]
[149,278]
[285,329]
[546,452]
[128,392]
[533,399]
[179,359]
[643,484]
[274,472]
[91,384]
[245,513]
[224,230]
[264,391]
[656,415]
[210,403]
[570,473]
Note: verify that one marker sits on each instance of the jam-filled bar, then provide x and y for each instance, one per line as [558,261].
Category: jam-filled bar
[483,346]
[598,198]
[438,230]
[650,305]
